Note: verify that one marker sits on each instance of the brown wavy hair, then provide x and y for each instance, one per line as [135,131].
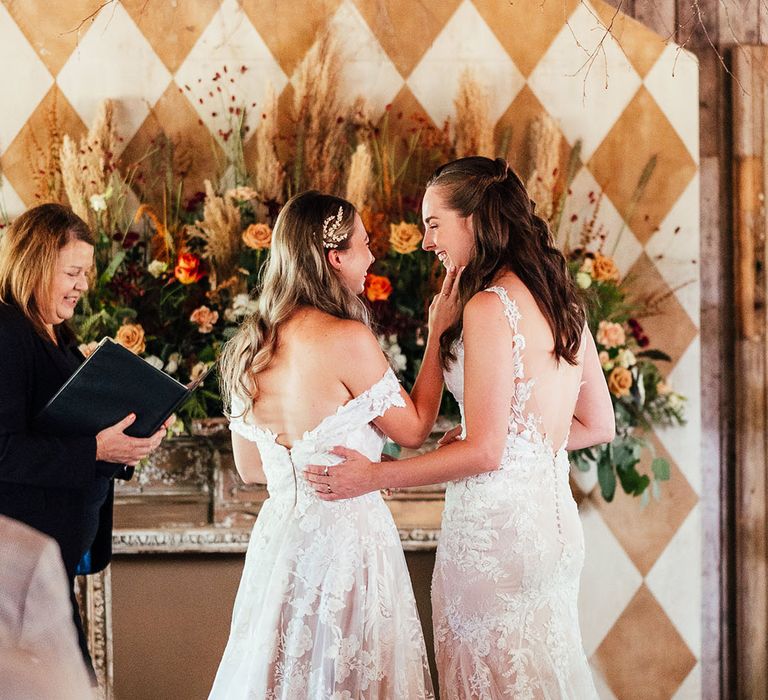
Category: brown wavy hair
[298,274]
[508,235]
[29,251]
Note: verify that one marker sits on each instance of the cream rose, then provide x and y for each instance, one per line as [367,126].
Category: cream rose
[610,335]
[131,337]
[87,348]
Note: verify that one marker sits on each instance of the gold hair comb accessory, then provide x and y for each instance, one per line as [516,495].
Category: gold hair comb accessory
[331,235]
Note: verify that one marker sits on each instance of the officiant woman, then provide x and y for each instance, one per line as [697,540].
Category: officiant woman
[62,486]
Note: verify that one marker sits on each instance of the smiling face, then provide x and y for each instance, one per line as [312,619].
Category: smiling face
[352,263]
[69,283]
[446,233]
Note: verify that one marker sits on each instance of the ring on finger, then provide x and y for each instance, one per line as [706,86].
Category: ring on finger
[328,489]
[325,471]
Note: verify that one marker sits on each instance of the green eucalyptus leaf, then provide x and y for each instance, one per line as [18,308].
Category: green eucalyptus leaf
[660,468]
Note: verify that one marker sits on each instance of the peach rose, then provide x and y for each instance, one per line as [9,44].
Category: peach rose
[87,348]
[604,269]
[610,335]
[204,318]
[377,288]
[258,236]
[404,237]
[131,337]
[187,269]
[620,381]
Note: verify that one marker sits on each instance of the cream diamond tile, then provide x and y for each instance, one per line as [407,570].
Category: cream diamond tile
[691,686]
[23,86]
[679,569]
[10,202]
[585,96]
[366,70]
[229,68]
[602,598]
[466,42]
[684,443]
[674,249]
[620,244]
[113,60]
[674,83]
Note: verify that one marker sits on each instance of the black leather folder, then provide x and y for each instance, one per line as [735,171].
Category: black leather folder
[109,385]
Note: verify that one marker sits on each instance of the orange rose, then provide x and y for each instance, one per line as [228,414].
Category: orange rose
[620,381]
[258,236]
[377,288]
[604,269]
[204,318]
[131,337]
[187,269]
[405,238]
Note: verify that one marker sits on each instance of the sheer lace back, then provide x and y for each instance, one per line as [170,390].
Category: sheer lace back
[511,549]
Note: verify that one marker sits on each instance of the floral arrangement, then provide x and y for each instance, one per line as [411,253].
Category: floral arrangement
[179,269]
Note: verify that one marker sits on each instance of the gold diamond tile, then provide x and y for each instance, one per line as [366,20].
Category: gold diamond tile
[53,28]
[644,533]
[643,656]
[667,324]
[405,109]
[641,132]
[289,29]
[641,45]
[406,29]
[513,128]
[29,163]
[196,152]
[538,22]
[174,31]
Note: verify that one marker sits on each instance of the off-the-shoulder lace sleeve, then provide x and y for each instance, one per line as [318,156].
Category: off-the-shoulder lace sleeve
[237,421]
[383,395]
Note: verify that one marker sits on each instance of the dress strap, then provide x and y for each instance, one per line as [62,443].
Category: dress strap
[510,307]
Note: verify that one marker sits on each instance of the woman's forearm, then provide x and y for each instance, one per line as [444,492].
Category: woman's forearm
[457,460]
[427,390]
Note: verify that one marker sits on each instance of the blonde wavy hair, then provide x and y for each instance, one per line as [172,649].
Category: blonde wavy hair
[298,274]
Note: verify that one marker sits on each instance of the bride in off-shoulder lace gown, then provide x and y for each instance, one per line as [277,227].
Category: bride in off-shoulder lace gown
[511,550]
[325,608]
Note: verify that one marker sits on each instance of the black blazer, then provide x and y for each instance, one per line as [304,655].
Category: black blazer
[50,483]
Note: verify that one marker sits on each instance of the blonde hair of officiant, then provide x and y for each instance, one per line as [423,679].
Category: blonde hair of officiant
[298,274]
[29,252]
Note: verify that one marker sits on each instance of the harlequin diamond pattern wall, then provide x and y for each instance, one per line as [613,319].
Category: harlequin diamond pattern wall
[637,97]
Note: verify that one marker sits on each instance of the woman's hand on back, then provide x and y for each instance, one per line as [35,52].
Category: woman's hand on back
[444,310]
[113,445]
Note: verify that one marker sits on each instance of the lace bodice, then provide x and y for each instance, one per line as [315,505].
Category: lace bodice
[325,607]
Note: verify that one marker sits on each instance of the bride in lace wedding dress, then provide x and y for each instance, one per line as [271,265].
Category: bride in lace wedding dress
[525,372]
[325,608]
